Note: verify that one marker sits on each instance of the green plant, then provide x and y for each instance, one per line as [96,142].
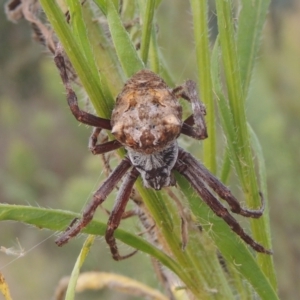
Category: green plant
[233,57]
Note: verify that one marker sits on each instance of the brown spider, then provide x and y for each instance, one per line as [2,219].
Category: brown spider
[147,120]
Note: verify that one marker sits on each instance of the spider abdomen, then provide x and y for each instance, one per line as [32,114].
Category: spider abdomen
[147,116]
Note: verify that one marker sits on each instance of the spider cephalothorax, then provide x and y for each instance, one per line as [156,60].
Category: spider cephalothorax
[147,120]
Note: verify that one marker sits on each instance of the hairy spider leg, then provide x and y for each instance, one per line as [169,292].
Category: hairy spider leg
[100,195]
[118,212]
[216,206]
[188,91]
[103,147]
[184,216]
[218,186]
[79,114]
[83,116]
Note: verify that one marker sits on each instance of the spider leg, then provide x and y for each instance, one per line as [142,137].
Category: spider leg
[214,183]
[104,147]
[117,214]
[99,196]
[183,216]
[188,91]
[79,114]
[126,215]
[217,206]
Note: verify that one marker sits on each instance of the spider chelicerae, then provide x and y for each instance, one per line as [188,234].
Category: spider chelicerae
[146,121]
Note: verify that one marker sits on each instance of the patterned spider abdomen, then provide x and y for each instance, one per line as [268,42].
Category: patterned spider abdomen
[147,116]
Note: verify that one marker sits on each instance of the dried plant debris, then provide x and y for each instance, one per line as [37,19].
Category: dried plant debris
[116,282]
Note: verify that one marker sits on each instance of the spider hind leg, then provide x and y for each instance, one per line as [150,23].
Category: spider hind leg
[118,212]
[217,206]
[99,197]
[219,188]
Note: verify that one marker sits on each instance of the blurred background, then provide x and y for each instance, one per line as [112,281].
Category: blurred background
[44,159]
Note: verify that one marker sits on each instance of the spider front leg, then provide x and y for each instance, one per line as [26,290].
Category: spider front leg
[218,186]
[188,91]
[99,196]
[118,212]
[79,114]
[216,206]
[104,147]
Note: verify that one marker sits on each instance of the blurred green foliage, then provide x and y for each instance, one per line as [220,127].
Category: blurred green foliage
[44,159]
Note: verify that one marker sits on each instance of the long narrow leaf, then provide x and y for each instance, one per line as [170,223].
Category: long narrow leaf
[70,294]
[268,264]
[252,17]
[89,81]
[148,14]
[244,164]
[80,34]
[200,21]
[156,205]
[227,124]
[59,220]
[128,57]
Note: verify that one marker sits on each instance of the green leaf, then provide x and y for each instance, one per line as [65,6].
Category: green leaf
[252,17]
[225,113]
[87,77]
[128,57]
[156,204]
[59,220]
[102,5]
[201,37]
[267,264]
[148,14]
[80,33]
[244,164]
[70,294]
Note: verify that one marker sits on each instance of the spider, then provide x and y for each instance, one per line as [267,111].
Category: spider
[146,121]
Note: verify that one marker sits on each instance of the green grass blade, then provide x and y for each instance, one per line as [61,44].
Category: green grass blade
[201,37]
[156,204]
[105,56]
[232,76]
[250,23]
[70,293]
[58,220]
[78,28]
[102,5]
[225,113]
[226,167]
[88,79]
[268,264]
[241,144]
[154,53]
[148,14]
[128,57]
[80,34]
[251,20]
